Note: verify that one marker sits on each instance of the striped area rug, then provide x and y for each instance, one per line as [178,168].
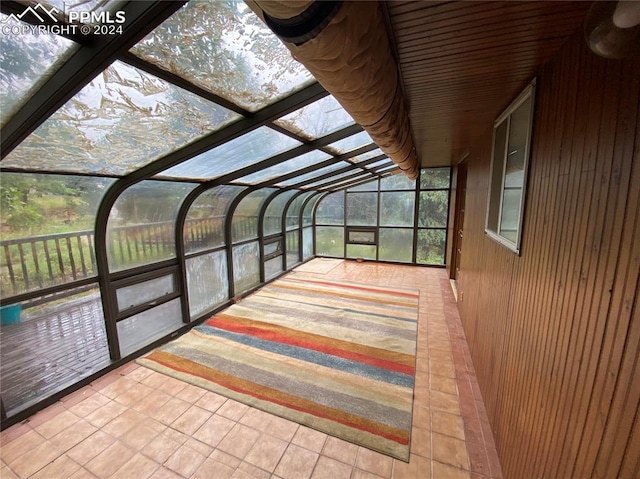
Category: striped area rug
[337,357]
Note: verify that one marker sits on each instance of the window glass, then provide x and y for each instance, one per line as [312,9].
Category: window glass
[307,243]
[333,180]
[365,156]
[293,249]
[369,186]
[397,182]
[207,282]
[361,251]
[317,119]
[508,172]
[351,143]
[430,247]
[244,224]
[223,47]
[26,61]
[396,244]
[272,267]
[314,174]
[114,124]
[144,292]
[204,225]
[246,266]
[48,229]
[330,241]
[397,208]
[250,148]
[142,221]
[307,215]
[362,209]
[293,212]
[434,178]
[434,208]
[361,236]
[284,168]
[273,214]
[330,210]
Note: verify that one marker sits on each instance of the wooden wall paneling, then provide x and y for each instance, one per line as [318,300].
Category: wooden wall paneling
[631,463]
[598,243]
[618,381]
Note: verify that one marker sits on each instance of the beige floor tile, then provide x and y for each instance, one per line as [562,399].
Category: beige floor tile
[185,461]
[142,434]
[309,439]
[139,374]
[417,468]
[138,467]
[449,450]
[82,473]
[123,423]
[172,386]
[57,424]
[198,446]
[105,414]
[90,447]
[71,436]
[117,387]
[447,424]
[444,384]
[232,410]
[153,402]
[266,452]
[240,474]
[327,468]
[341,450]
[445,471]
[34,460]
[89,405]
[134,395]
[224,458]
[374,462]
[421,442]
[282,428]
[360,474]
[296,463]
[445,402]
[210,469]
[191,420]
[442,368]
[170,411]
[256,419]
[239,441]
[165,473]
[214,430]
[421,417]
[14,432]
[161,448]
[253,471]
[6,473]
[110,460]
[211,401]
[12,451]
[154,380]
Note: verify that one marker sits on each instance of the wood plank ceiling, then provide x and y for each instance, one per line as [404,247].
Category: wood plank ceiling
[463,62]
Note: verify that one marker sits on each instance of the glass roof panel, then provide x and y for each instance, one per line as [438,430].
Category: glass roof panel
[386,162]
[350,180]
[315,174]
[124,119]
[285,167]
[245,150]
[366,156]
[317,119]
[326,181]
[223,47]
[26,60]
[350,143]
[369,186]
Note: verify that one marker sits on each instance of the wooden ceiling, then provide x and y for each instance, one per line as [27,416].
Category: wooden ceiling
[463,63]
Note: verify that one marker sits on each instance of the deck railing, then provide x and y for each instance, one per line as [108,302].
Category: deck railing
[28,264]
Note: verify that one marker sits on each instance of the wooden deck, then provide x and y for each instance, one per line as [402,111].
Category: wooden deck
[50,350]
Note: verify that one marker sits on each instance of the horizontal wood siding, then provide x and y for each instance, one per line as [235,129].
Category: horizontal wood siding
[555,332]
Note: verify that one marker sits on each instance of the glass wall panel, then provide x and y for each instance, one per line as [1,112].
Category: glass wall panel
[307,243]
[245,150]
[434,208]
[144,292]
[397,208]
[330,241]
[285,167]
[244,224]
[72,326]
[225,48]
[26,61]
[396,244]
[140,330]
[362,209]
[431,245]
[272,268]
[434,178]
[361,251]
[330,210]
[246,266]
[48,226]
[207,282]
[397,182]
[273,214]
[141,225]
[204,225]
[307,215]
[317,119]
[293,249]
[293,212]
[351,143]
[115,123]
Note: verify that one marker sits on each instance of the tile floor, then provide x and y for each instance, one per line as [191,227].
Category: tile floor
[134,423]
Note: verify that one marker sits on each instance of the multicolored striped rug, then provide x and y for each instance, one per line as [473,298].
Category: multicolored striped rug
[338,357]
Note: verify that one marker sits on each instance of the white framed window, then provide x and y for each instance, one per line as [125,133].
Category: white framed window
[509,165]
